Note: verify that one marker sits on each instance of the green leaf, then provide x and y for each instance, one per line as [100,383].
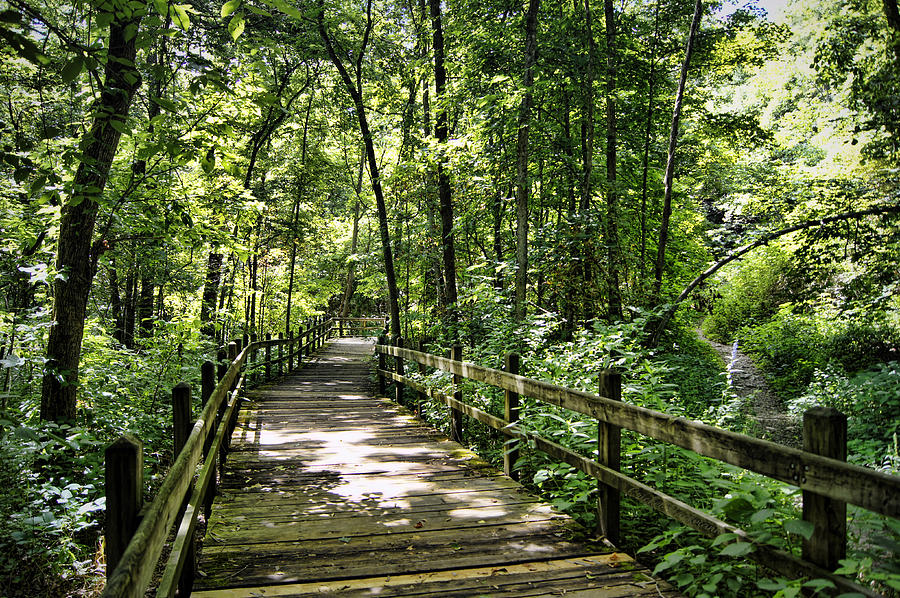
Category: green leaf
[229,7]
[162,7]
[180,17]
[286,8]
[761,515]
[72,70]
[737,549]
[166,104]
[121,127]
[38,183]
[722,538]
[820,584]
[800,527]
[236,26]
[770,585]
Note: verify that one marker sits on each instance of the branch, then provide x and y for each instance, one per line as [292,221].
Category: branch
[763,240]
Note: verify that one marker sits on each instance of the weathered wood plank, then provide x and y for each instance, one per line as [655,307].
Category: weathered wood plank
[607,575]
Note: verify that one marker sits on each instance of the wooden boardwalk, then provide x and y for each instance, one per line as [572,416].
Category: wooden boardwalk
[329,490]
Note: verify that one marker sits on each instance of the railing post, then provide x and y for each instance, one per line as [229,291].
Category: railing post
[301,333]
[290,365]
[381,365]
[181,416]
[207,386]
[221,356]
[251,360]
[268,356]
[232,355]
[398,368]
[341,328]
[824,433]
[609,454]
[280,353]
[421,395]
[511,415]
[456,421]
[124,496]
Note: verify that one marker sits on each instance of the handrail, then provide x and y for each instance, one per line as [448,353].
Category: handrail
[133,572]
[823,476]
[368,324]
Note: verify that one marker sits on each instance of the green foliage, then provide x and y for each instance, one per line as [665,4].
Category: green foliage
[871,401]
[789,348]
[751,296]
[51,506]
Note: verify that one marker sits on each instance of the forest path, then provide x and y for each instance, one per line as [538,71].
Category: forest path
[332,490]
[748,382]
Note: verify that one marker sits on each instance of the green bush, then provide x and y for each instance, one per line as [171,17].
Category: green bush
[862,344]
[871,401]
[788,348]
[753,295]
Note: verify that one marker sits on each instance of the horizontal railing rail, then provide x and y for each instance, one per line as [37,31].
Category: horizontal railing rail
[827,483]
[136,533]
[359,326]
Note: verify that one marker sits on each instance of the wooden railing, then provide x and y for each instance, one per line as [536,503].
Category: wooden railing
[827,482]
[136,533]
[359,326]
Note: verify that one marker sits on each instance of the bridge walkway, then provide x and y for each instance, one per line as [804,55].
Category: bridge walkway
[330,490]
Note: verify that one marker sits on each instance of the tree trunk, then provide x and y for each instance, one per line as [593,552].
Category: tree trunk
[77,259]
[670,161]
[648,137]
[130,308]
[441,131]
[145,307]
[522,183]
[354,241]
[587,123]
[115,300]
[210,292]
[613,251]
[892,14]
[355,92]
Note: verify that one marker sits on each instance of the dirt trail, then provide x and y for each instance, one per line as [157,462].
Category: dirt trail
[747,381]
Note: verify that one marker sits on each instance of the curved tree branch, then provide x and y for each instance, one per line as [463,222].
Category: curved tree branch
[763,240]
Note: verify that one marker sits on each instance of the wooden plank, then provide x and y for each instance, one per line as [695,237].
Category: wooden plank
[867,488]
[588,573]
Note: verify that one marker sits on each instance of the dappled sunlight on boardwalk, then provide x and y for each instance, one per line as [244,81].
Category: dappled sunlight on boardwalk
[332,491]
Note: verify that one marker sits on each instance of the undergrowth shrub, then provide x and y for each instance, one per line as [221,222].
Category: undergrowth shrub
[789,348]
[871,402]
[753,294]
[51,475]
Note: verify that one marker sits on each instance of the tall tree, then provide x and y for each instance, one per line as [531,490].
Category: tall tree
[78,253]
[355,89]
[441,131]
[670,160]
[522,183]
[613,251]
